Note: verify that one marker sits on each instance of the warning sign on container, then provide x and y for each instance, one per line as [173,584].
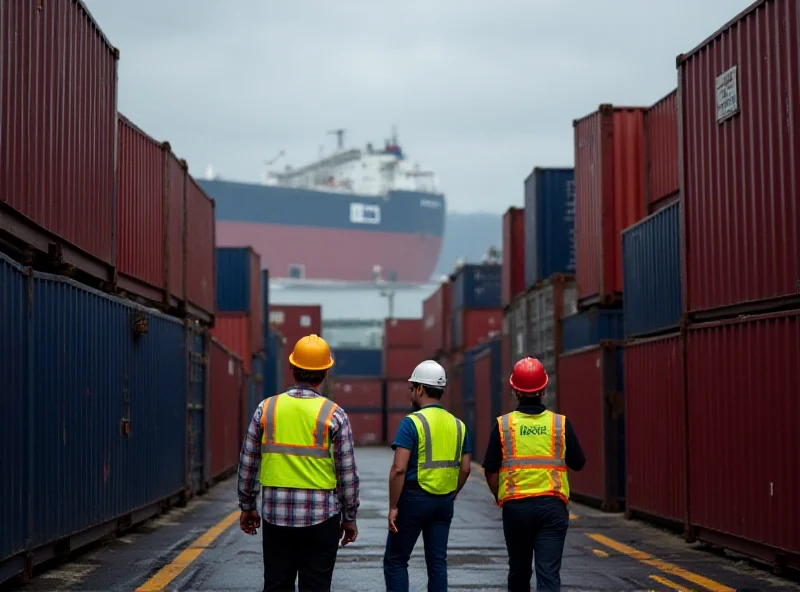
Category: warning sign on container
[727,94]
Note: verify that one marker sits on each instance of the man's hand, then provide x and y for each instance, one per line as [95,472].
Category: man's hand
[348,531]
[392,519]
[249,522]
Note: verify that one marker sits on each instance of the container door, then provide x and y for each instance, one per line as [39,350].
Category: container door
[195,409]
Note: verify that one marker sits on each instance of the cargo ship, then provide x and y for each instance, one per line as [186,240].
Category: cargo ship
[342,218]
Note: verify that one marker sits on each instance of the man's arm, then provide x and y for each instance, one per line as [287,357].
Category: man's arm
[466,462]
[397,475]
[344,459]
[493,460]
[250,463]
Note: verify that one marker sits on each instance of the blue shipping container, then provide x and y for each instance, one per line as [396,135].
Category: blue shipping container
[489,348]
[94,376]
[234,281]
[477,286]
[589,328]
[362,363]
[15,423]
[265,300]
[651,266]
[549,224]
[273,365]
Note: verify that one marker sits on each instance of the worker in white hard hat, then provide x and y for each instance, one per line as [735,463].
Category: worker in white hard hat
[432,456]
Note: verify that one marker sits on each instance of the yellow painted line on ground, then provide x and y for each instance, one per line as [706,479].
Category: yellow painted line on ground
[599,552]
[667,568]
[171,571]
[670,584]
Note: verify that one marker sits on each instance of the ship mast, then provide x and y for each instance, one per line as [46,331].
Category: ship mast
[339,133]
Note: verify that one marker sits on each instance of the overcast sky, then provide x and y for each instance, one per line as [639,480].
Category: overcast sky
[481,95]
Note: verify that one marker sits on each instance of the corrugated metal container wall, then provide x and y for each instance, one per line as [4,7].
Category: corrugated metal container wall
[59,118]
[399,362]
[549,224]
[235,279]
[467,406]
[518,327]
[589,328]
[655,438]
[265,301]
[233,330]
[91,370]
[739,160]
[402,333]
[357,393]
[176,204]
[513,254]
[591,397]
[197,406]
[363,363]
[14,368]
[294,322]
[200,241]
[435,312]
[651,261]
[273,365]
[473,326]
[141,204]
[455,386]
[485,361]
[225,409]
[367,427]
[477,286]
[398,395]
[729,398]
[506,365]
[609,193]
[661,149]
[252,388]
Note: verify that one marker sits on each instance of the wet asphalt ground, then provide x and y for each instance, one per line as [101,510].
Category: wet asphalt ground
[201,548]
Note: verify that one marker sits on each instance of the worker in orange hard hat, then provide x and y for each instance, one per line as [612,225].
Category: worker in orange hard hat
[299,447]
[526,465]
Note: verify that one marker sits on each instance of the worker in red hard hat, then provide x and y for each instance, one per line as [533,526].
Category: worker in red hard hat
[526,465]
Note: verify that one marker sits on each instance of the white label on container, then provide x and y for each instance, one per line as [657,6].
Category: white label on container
[520,343]
[230,367]
[305,321]
[347,388]
[727,94]
[276,317]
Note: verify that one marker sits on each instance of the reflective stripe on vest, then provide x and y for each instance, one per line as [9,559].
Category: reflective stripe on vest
[438,476]
[318,450]
[521,475]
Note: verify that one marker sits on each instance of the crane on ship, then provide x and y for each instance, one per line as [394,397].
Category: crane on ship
[339,133]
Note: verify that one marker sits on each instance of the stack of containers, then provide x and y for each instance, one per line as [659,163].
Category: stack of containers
[435,329]
[482,389]
[741,266]
[293,322]
[274,363]
[227,420]
[535,322]
[513,300]
[609,190]
[356,383]
[402,351]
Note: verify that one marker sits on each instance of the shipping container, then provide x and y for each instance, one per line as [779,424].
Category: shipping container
[518,328]
[474,326]
[513,269]
[444,362]
[274,364]
[197,388]
[367,427]
[740,105]
[549,224]
[399,362]
[655,424]
[544,309]
[743,413]
[591,398]
[238,280]
[477,286]
[651,262]
[398,395]
[227,404]
[201,275]
[357,393]
[455,385]
[435,312]
[590,328]
[176,212]
[609,189]
[235,331]
[265,301]
[142,237]
[357,362]
[294,322]
[506,365]
[58,132]
[252,388]
[402,333]
[15,370]
[661,150]
[393,420]
[485,390]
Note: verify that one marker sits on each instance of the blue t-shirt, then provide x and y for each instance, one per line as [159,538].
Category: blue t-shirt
[407,438]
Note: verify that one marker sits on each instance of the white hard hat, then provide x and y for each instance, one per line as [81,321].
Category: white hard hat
[429,372]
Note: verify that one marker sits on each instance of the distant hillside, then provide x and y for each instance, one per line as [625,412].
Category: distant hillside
[468,236]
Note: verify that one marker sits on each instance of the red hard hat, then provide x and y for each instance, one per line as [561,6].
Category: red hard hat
[528,376]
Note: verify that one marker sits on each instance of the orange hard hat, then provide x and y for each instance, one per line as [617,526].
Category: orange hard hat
[311,353]
[528,376]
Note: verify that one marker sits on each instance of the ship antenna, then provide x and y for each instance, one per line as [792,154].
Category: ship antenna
[339,137]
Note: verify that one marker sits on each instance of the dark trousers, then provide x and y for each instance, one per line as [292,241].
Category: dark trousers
[535,530]
[419,512]
[308,552]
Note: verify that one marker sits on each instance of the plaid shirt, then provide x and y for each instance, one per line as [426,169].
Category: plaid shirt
[301,507]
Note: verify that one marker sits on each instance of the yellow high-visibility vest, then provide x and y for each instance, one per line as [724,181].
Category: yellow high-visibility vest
[296,451]
[534,448]
[440,442]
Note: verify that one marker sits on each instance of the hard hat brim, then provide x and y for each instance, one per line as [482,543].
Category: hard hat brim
[311,368]
[427,382]
[523,390]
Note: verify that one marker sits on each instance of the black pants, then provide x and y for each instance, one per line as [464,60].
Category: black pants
[308,552]
[535,530]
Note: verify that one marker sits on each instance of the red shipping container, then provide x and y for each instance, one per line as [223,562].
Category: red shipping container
[590,397]
[474,326]
[455,387]
[609,194]
[744,454]
[393,419]
[399,362]
[444,361]
[398,395]
[294,322]
[58,130]
[224,409]
[739,168]
[233,330]
[176,214]
[661,149]
[357,393]
[402,333]
[484,418]
[507,400]
[655,429]
[435,311]
[201,273]
[367,427]
[513,254]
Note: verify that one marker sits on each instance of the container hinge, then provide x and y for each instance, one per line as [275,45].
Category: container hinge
[616,403]
[139,324]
